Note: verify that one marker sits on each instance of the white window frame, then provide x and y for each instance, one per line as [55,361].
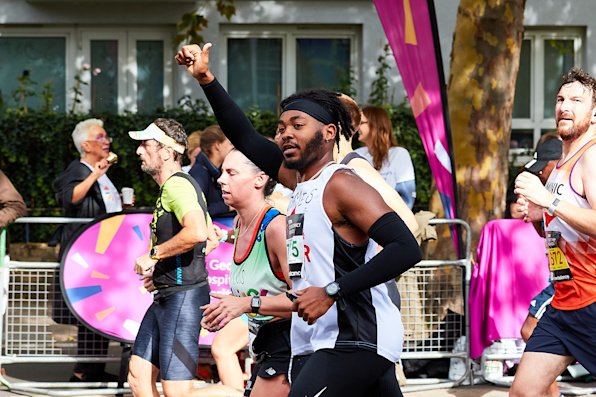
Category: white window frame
[70,51]
[537,122]
[127,64]
[289,34]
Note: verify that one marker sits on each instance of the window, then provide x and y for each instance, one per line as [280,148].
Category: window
[545,56]
[41,61]
[135,71]
[264,64]
[135,68]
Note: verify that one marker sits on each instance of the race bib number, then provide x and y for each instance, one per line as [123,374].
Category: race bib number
[557,263]
[295,244]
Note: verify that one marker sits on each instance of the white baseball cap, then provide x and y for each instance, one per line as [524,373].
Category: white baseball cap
[154,132]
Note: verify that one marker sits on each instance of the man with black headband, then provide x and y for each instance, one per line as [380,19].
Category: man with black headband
[343,313]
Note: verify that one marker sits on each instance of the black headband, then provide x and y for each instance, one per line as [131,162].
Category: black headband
[311,108]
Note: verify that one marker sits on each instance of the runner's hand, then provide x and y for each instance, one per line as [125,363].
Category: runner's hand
[218,314]
[312,303]
[196,61]
[144,264]
[148,282]
[529,186]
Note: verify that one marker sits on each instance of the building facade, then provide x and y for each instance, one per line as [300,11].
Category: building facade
[268,50]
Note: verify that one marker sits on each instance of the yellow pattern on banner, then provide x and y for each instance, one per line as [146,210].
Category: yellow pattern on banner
[95,274]
[410,30]
[107,231]
[104,313]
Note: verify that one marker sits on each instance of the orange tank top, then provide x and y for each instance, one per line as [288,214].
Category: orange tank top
[572,255]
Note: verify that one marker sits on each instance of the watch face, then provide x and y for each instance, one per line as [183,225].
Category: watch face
[153,251]
[331,289]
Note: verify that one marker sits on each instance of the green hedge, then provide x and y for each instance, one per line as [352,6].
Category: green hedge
[36,146]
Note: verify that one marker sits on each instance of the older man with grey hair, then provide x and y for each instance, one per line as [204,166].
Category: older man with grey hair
[85,191]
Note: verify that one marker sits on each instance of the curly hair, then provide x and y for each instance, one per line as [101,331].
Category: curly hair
[381,134]
[576,74]
[174,130]
[331,102]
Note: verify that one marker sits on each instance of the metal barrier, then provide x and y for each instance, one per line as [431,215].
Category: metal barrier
[28,331]
[30,335]
[427,290]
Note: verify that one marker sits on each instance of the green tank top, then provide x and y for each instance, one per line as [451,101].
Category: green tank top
[253,275]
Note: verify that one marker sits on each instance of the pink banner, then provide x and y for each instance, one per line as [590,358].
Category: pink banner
[409,27]
[100,286]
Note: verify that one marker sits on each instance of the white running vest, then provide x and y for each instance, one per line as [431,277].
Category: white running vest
[317,256]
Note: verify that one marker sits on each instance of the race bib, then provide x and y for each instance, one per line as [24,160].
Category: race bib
[557,263]
[295,244]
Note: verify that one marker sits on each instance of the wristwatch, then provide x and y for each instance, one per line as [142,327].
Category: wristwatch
[333,290]
[153,253]
[553,206]
[255,304]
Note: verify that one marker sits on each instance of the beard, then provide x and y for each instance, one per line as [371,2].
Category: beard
[576,130]
[308,155]
[151,169]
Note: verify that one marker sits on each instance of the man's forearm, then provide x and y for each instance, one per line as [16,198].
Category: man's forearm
[581,219]
[239,130]
[400,252]
[182,242]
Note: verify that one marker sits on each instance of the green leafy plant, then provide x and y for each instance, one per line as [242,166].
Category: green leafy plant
[78,82]
[193,23]
[379,95]
[47,96]
[25,90]
[347,82]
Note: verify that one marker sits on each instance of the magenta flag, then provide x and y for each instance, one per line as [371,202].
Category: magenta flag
[411,31]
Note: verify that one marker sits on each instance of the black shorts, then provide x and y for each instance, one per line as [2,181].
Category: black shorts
[345,372]
[567,333]
[272,347]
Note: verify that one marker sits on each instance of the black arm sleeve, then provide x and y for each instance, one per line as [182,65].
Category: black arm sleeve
[400,252]
[239,130]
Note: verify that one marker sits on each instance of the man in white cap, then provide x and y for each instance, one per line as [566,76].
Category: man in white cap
[174,268]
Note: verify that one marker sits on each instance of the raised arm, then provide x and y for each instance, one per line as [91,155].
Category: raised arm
[230,117]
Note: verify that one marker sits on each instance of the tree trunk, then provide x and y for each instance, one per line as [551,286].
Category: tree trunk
[481,85]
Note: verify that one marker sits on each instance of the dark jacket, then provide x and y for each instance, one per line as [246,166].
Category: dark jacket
[90,206]
[206,174]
